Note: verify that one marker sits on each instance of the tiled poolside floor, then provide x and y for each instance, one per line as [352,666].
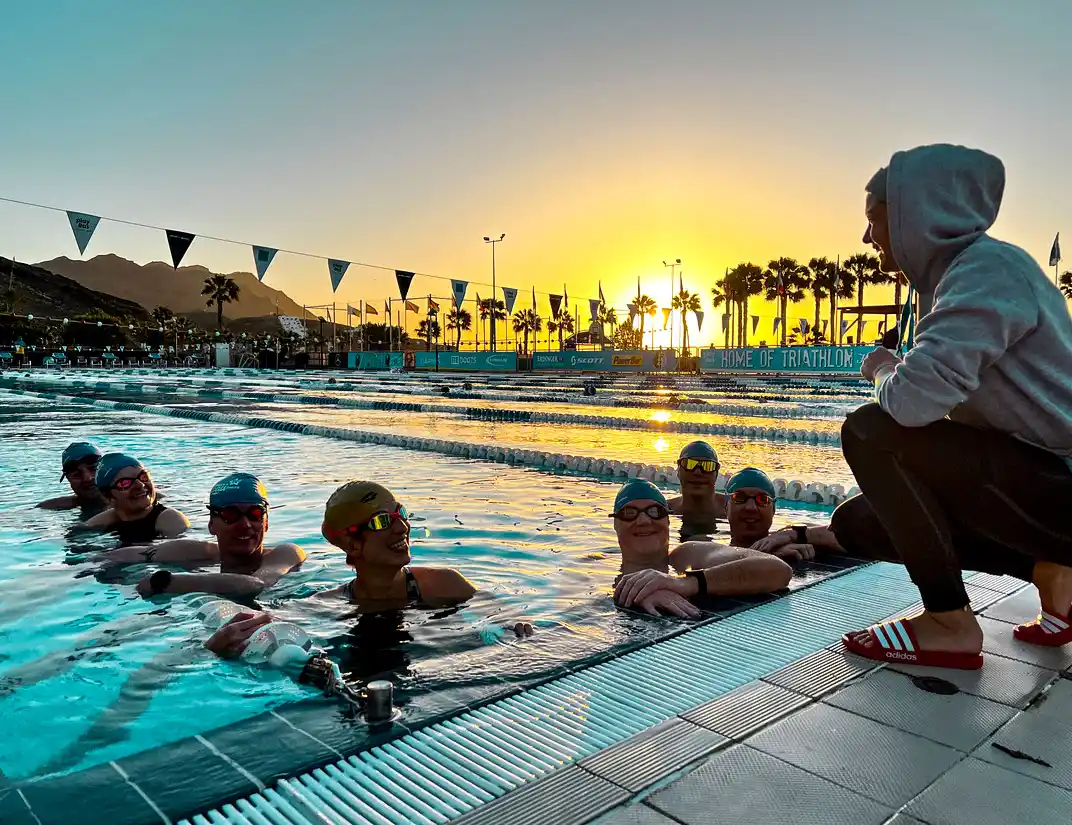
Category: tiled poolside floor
[832,740]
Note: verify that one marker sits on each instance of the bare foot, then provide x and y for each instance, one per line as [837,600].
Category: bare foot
[954,631]
[1054,583]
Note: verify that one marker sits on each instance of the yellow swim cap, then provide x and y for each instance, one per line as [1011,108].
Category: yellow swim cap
[353,503]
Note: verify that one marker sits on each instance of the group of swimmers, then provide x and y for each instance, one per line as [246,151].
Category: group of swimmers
[363,519]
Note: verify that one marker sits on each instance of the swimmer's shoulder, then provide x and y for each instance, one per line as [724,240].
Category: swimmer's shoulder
[442,583]
[704,554]
[286,552]
[674,505]
[59,503]
[171,522]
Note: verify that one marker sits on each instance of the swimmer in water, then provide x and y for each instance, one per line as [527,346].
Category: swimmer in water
[699,506]
[79,462]
[238,518]
[704,568]
[135,513]
[371,527]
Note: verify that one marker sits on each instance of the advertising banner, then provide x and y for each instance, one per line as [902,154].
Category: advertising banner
[607,361]
[374,360]
[469,361]
[814,360]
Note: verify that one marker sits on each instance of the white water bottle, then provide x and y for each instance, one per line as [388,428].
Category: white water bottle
[281,644]
[217,612]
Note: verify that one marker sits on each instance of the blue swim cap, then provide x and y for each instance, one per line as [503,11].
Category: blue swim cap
[635,490]
[78,451]
[698,449]
[238,488]
[750,477]
[110,465]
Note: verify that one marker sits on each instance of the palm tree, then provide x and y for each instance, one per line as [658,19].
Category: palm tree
[459,319]
[526,321]
[565,325]
[645,305]
[428,329]
[828,282]
[1065,284]
[785,280]
[686,302]
[722,294]
[607,315]
[865,270]
[221,290]
[745,280]
[495,310]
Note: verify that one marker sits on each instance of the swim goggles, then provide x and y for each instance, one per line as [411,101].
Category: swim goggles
[704,465]
[741,497]
[379,521]
[127,483]
[656,512]
[232,513]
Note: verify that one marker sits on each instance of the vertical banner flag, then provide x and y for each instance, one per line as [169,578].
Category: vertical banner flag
[755,323]
[370,309]
[699,320]
[825,324]
[458,289]
[1055,250]
[510,294]
[565,298]
[336,269]
[725,322]
[593,308]
[777,325]
[404,280]
[666,316]
[881,327]
[262,257]
[178,243]
[556,305]
[632,311]
[602,300]
[534,298]
[83,226]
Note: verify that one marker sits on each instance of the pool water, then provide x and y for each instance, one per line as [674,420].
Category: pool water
[91,672]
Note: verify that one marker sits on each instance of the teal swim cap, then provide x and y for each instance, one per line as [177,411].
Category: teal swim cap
[110,465]
[78,451]
[698,449]
[238,488]
[636,490]
[750,477]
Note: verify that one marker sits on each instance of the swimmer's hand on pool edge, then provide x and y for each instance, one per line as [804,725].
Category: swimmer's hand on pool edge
[230,640]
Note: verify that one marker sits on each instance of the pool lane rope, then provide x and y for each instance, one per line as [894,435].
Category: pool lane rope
[829,495]
[780,434]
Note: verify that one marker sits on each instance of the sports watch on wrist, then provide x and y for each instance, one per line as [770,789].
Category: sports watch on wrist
[701,580]
[159,581]
[801,533]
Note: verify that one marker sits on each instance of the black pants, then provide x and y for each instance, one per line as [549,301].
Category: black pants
[947,497]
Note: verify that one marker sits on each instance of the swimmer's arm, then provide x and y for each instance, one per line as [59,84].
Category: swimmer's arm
[819,537]
[101,521]
[172,523]
[176,551]
[277,563]
[735,571]
[59,503]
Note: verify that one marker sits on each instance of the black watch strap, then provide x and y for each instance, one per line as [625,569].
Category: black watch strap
[159,581]
[701,578]
[802,533]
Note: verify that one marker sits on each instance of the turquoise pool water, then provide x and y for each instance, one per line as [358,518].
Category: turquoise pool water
[90,672]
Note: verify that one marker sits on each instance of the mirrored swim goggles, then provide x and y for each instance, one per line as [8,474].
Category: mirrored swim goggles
[704,465]
[232,513]
[380,521]
[127,483]
[656,512]
[741,497]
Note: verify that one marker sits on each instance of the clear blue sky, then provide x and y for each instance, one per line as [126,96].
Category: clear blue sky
[600,136]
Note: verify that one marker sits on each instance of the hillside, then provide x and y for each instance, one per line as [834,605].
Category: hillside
[158,284]
[38,291]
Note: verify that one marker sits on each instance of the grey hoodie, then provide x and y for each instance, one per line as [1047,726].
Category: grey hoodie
[993,344]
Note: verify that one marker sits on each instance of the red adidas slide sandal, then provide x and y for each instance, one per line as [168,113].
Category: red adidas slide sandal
[895,642]
[1048,630]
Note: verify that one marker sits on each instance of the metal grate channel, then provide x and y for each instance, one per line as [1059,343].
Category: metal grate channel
[480,756]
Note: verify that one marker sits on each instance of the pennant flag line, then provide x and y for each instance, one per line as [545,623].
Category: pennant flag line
[777,325]
[556,305]
[699,320]
[804,326]
[83,226]
[262,257]
[1055,250]
[725,322]
[755,323]
[844,327]
[336,270]
[632,311]
[412,307]
[178,243]
[404,279]
[510,294]
[458,288]
[666,316]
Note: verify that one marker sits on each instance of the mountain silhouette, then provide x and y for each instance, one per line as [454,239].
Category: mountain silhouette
[159,284]
[37,291]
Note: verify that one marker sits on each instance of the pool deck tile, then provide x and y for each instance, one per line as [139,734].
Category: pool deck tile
[998,639]
[638,814]
[185,776]
[820,672]
[95,796]
[1039,736]
[1002,680]
[1022,606]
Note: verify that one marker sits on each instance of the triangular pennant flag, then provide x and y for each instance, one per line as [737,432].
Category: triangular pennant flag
[725,322]
[83,226]
[666,316]
[844,327]
[387,308]
[602,300]
[565,297]
[262,257]
[556,305]
[178,243]
[458,290]
[881,327]
[1055,250]
[336,269]
[510,294]
[593,308]
[777,324]
[370,309]
[404,280]
[412,307]
[755,323]
[632,310]
[863,326]
[699,319]
[825,324]
[804,326]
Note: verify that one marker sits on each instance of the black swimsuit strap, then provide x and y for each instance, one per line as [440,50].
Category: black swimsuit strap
[413,590]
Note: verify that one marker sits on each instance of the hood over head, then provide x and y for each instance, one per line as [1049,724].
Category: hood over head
[940,199]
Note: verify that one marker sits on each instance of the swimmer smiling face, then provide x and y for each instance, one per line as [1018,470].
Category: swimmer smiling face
[642,523]
[369,524]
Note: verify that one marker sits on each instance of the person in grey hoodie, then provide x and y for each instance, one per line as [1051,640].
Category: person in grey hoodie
[964,458]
